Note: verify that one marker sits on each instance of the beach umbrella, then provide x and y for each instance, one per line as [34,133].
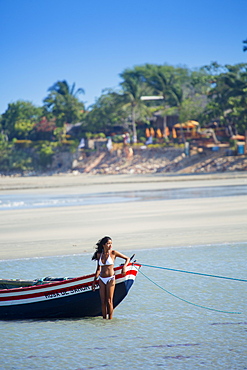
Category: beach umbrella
[158,133]
[187,124]
[147,132]
[192,123]
[180,125]
[238,137]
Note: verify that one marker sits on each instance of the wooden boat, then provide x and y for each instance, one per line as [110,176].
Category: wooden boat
[59,297]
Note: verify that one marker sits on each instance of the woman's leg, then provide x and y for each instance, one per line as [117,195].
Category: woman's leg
[102,291]
[110,287]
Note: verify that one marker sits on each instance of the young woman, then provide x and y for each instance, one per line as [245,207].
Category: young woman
[105,257]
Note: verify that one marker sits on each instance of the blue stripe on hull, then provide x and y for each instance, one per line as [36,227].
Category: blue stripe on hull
[77,305]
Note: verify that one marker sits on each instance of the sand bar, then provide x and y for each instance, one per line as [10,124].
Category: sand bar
[134,225]
[126,182]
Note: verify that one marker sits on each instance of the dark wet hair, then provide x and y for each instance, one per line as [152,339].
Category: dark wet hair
[99,246]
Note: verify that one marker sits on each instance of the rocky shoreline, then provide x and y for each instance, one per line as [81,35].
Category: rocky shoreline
[145,161]
[160,160]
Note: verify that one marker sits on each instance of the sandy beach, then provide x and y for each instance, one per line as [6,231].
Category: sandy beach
[132,225]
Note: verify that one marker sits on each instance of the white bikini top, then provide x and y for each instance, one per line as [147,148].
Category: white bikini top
[108,262]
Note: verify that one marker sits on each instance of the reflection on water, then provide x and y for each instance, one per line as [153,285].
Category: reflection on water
[150,328]
[21,201]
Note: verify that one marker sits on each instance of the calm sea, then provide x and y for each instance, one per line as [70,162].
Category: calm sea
[151,328]
[34,200]
[159,325]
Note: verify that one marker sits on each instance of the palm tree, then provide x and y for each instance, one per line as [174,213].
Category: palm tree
[63,103]
[228,96]
[166,81]
[133,88]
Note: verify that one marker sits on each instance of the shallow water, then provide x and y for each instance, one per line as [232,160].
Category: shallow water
[150,328]
[27,201]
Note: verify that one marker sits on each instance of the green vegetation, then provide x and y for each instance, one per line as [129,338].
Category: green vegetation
[30,135]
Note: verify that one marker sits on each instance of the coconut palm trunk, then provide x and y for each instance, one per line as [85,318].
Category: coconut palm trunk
[134,124]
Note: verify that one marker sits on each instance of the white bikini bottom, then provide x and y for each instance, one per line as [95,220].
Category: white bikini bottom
[105,280]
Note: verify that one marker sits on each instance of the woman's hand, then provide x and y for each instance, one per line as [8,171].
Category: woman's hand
[124,270]
[93,286]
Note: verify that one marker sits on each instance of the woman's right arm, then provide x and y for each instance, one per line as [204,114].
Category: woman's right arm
[97,272]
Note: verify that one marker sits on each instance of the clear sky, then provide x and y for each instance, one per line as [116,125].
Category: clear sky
[90,42]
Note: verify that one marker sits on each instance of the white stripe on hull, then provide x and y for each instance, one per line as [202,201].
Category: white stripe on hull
[56,291]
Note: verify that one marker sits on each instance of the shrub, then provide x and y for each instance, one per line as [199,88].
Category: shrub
[45,153]
[117,139]
[12,159]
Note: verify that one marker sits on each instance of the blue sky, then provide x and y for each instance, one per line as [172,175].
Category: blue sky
[91,42]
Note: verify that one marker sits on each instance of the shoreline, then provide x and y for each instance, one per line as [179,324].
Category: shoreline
[90,253]
[71,180]
[73,230]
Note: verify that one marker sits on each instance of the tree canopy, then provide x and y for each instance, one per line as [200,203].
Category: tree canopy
[19,119]
[62,102]
[210,93]
[228,96]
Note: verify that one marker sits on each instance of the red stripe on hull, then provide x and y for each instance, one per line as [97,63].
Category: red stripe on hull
[56,287]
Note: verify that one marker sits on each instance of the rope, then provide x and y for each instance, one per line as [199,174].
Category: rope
[195,273]
[184,300]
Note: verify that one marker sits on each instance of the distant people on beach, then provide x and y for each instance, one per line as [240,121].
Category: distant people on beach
[105,257]
[82,144]
[109,144]
[126,138]
[149,140]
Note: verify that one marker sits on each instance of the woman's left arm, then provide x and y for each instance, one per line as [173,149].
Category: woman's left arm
[127,260]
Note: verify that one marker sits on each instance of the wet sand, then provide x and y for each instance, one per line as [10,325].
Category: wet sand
[134,225]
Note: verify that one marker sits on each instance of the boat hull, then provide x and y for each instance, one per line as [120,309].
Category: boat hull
[72,298]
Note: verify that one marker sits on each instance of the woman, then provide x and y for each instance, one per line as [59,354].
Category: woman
[105,272]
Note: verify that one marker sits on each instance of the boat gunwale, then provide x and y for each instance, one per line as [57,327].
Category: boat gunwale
[54,284]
